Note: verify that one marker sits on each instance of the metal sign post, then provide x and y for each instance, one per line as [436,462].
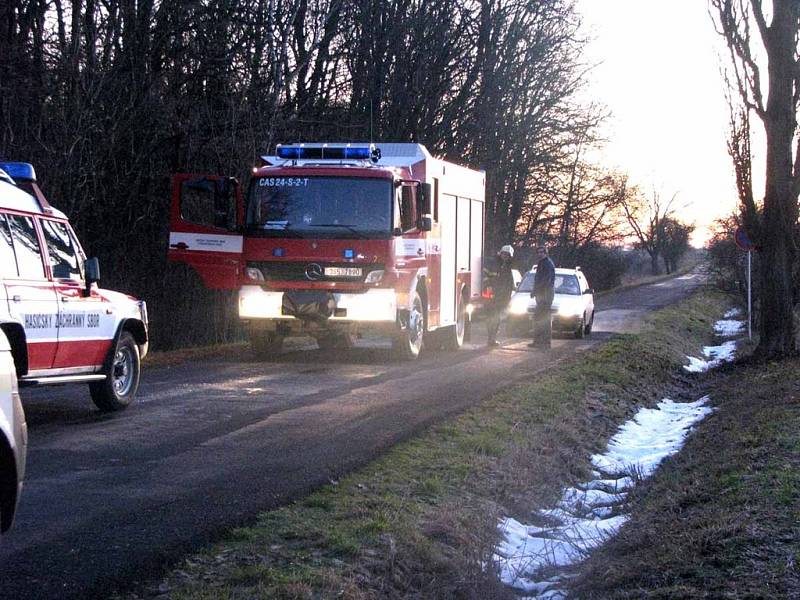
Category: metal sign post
[749,295]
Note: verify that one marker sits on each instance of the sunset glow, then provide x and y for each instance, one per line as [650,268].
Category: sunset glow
[658,72]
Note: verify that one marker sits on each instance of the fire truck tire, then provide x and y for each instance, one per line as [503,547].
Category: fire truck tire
[265,344]
[454,335]
[118,389]
[335,341]
[408,343]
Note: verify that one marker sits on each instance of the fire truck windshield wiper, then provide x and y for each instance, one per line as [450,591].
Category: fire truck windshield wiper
[350,228]
[282,231]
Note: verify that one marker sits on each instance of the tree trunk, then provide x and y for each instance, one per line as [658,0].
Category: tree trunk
[654,268]
[780,205]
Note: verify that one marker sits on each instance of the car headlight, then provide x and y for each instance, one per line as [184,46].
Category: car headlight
[518,305]
[374,276]
[569,309]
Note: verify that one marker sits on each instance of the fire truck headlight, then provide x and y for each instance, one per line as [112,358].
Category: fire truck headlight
[374,276]
[254,274]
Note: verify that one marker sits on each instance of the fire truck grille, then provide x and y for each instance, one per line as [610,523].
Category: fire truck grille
[315,271]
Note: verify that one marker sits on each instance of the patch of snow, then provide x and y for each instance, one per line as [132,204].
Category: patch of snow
[590,513]
[732,313]
[729,327]
[716,355]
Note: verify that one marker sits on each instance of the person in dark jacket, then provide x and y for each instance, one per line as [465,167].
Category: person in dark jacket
[502,283]
[543,291]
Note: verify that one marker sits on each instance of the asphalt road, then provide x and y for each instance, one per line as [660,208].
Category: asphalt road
[112,500]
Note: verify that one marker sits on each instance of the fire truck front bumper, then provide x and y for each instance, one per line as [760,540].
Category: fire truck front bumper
[376,306]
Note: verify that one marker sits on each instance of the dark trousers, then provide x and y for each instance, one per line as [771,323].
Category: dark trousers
[494,315]
[543,320]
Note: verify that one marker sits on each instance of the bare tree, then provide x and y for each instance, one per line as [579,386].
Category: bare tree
[773,95]
[647,218]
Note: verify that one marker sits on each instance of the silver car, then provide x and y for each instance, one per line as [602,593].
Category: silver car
[13,437]
[573,304]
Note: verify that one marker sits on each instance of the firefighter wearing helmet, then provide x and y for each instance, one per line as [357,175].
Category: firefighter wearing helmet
[501,281]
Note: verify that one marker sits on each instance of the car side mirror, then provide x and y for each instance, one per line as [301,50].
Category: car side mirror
[92,270]
[589,291]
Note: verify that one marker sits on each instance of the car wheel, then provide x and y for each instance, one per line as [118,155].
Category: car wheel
[580,331]
[265,344]
[119,387]
[408,343]
[589,325]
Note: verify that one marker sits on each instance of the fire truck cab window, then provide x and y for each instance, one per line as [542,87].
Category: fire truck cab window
[208,202]
[8,262]
[65,262]
[317,206]
[408,197]
[26,247]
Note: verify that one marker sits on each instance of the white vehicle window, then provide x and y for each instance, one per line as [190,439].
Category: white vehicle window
[64,259]
[567,284]
[26,247]
[8,262]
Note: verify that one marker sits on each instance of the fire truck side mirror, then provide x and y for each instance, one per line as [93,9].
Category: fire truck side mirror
[425,223]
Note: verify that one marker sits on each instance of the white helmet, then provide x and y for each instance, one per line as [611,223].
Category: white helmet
[508,249]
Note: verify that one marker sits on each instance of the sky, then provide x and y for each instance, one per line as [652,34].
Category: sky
[658,73]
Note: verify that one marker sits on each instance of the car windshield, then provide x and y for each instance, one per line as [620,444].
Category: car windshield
[322,207]
[564,284]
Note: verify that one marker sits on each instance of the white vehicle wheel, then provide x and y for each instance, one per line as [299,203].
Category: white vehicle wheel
[119,388]
[581,330]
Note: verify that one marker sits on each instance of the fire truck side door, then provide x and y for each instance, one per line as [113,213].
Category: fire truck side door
[206,217]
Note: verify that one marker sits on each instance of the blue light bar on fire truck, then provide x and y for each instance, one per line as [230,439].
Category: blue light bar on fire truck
[19,171]
[328,152]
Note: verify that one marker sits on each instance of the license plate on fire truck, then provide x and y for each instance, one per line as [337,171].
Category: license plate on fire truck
[343,271]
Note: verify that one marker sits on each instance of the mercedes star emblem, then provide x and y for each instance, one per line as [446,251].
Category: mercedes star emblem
[313,272]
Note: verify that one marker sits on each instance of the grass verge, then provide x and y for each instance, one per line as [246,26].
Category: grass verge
[421,521]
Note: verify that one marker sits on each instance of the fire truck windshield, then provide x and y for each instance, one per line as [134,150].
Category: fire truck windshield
[322,207]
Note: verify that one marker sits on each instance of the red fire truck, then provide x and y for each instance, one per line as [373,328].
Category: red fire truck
[336,239]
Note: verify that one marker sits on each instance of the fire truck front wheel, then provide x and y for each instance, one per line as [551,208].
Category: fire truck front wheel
[265,344]
[119,387]
[407,344]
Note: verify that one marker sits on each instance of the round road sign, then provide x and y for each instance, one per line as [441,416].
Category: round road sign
[741,239]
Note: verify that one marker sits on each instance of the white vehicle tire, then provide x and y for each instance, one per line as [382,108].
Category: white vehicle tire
[118,389]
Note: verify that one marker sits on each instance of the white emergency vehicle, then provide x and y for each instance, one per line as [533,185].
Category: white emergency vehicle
[62,328]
